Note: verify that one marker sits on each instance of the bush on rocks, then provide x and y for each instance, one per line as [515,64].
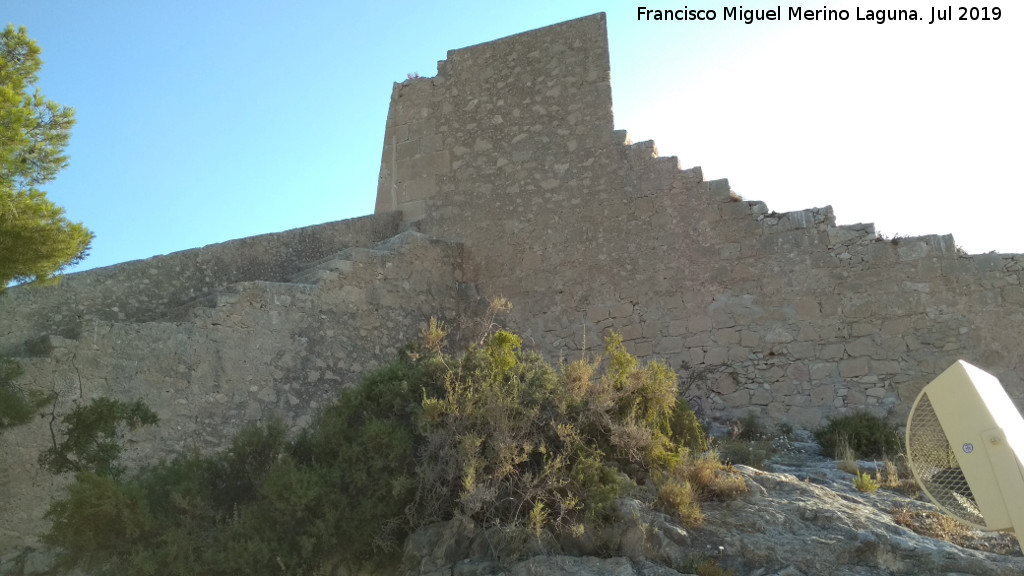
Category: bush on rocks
[495,435]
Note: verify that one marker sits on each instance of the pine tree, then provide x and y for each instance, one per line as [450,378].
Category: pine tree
[36,240]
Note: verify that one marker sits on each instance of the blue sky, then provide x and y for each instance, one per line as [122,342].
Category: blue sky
[200,122]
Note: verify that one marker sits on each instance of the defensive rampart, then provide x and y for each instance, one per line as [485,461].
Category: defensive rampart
[503,175]
[214,338]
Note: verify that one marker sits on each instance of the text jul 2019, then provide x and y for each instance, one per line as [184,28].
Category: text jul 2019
[877,16]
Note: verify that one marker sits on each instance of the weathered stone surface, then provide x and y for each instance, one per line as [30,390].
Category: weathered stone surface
[244,353]
[803,517]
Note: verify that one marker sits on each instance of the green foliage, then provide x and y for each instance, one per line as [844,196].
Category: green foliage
[749,442]
[686,429]
[747,452]
[16,406]
[867,435]
[91,437]
[707,566]
[496,435]
[750,428]
[36,240]
[865,483]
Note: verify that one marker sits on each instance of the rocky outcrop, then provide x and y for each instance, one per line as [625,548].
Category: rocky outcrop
[804,518]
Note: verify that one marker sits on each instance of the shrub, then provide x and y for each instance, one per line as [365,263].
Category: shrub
[867,435]
[679,498]
[747,452]
[16,406]
[865,483]
[91,437]
[748,443]
[496,435]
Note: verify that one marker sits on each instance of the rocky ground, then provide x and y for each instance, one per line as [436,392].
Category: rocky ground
[802,516]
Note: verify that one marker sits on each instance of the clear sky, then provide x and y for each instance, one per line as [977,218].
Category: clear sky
[204,121]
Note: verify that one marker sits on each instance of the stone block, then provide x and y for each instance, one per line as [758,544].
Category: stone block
[738,354]
[801,350]
[823,395]
[698,324]
[798,399]
[696,356]
[858,329]
[644,349]
[722,319]
[896,327]
[885,367]
[809,333]
[853,367]
[843,234]
[778,335]
[861,347]
[652,328]
[784,388]
[724,384]
[798,371]
[807,309]
[716,356]
[677,328]
[738,399]
[832,352]
[776,411]
[414,210]
[620,310]
[855,397]
[596,314]
[631,332]
[668,345]
[1013,295]
[735,210]
[771,374]
[760,397]
[749,339]
[702,339]
[417,188]
[726,336]
[408,150]
[823,370]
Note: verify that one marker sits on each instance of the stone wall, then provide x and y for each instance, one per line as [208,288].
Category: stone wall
[510,149]
[236,333]
[149,289]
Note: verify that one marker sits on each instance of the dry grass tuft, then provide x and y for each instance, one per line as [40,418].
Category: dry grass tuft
[846,459]
[933,525]
[694,480]
[710,567]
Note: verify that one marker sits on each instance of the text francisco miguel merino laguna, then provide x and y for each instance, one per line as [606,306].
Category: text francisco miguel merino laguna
[878,16]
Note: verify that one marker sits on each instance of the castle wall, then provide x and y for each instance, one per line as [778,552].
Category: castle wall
[247,351]
[149,289]
[508,165]
[511,150]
